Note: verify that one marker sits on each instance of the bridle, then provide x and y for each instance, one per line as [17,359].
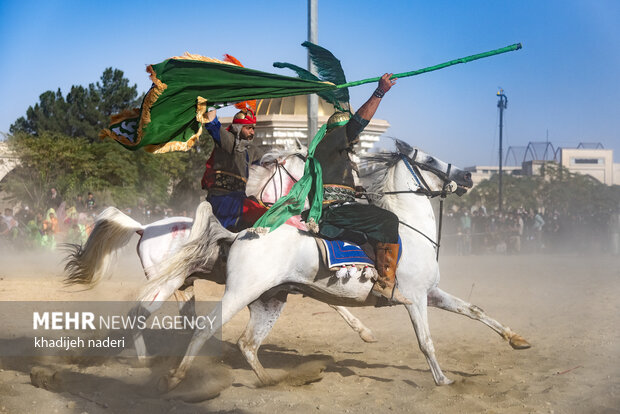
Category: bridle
[278,170]
[414,167]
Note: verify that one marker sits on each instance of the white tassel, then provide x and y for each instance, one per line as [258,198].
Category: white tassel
[342,272]
[312,226]
[352,272]
[369,272]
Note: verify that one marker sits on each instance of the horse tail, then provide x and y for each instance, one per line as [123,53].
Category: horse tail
[198,254]
[87,264]
[204,216]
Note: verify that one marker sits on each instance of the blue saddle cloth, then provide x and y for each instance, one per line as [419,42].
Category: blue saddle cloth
[342,253]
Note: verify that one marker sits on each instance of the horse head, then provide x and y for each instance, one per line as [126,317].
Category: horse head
[275,176]
[411,170]
[431,175]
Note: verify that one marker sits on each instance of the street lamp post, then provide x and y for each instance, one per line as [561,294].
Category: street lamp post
[501,104]
[313,99]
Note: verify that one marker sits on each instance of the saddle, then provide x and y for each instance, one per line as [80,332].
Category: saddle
[347,259]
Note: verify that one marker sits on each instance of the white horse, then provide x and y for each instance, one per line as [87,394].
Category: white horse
[159,240]
[262,268]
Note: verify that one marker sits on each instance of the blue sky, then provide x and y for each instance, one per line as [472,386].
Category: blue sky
[565,80]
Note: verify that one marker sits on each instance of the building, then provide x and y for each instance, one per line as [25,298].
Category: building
[598,163]
[8,161]
[484,172]
[589,159]
[282,121]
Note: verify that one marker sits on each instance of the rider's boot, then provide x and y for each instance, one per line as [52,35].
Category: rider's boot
[387,260]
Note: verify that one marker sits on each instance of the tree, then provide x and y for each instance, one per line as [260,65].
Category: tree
[75,166]
[50,160]
[115,93]
[58,147]
[557,190]
[83,112]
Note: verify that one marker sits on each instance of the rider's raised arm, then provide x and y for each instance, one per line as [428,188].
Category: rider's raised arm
[220,135]
[365,113]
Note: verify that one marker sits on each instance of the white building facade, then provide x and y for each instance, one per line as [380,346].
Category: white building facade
[598,163]
[282,121]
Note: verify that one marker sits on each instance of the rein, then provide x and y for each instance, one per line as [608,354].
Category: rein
[424,189]
[277,170]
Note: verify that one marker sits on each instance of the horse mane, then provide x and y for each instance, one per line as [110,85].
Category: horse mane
[375,169]
[277,153]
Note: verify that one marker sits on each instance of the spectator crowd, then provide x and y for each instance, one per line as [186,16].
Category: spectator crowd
[62,221]
[465,231]
[476,231]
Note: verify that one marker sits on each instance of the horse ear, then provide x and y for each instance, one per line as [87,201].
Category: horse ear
[403,147]
[300,146]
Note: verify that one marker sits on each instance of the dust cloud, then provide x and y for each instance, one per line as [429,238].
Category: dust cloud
[565,305]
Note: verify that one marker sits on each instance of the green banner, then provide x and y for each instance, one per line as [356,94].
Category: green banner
[186,87]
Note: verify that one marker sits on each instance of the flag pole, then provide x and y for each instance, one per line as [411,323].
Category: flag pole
[510,48]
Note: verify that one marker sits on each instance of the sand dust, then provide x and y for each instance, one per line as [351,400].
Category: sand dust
[568,307]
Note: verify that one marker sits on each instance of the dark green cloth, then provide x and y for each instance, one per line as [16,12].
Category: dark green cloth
[170,110]
[359,223]
[309,186]
[333,152]
[353,222]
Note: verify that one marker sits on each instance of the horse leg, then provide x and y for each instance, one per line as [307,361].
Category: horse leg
[231,303]
[263,315]
[145,309]
[355,324]
[186,301]
[442,300]
[419,318]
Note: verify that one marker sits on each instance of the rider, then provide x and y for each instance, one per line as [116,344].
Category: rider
[345,219]
[227,170]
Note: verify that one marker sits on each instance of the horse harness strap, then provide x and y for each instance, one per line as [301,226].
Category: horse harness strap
[443,196]
[434,243]
[277,170]
[424,189]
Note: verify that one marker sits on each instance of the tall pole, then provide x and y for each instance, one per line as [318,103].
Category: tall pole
[313,99]
[501,104]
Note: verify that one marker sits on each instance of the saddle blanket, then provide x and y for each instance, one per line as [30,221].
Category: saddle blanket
[338,253]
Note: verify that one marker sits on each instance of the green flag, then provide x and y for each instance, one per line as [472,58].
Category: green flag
[184,89]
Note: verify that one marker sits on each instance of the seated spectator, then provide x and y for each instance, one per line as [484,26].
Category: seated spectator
[71,216]
[91,205]
[34,229]
[50,228]
[9,229]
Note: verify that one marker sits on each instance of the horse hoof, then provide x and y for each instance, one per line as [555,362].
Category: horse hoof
[367,336]
[518,342]
[445,381]
[267,380]
[167,383]
[140,362]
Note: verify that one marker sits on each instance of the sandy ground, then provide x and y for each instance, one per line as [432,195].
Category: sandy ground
[568,307]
